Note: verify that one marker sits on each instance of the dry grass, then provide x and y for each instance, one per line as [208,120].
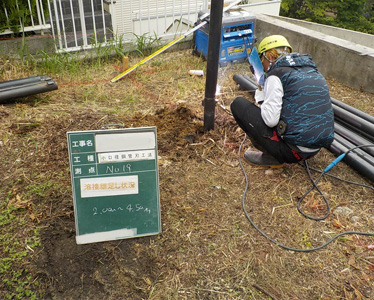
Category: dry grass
[208,249]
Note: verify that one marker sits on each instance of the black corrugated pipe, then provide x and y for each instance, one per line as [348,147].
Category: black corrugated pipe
[353,110]
[244,83]
[352,159]
[352,119]
[353,137]
[24,87]
[214,46]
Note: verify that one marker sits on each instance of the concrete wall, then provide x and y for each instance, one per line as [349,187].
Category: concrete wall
[31,45]
[346,61]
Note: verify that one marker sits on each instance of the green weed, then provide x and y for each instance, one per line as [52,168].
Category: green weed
[146,44]
[18,242]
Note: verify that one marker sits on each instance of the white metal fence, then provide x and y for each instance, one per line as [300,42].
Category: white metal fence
[36,14]
[81,24]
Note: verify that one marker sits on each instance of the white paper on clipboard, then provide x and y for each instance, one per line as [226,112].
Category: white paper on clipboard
[255,62]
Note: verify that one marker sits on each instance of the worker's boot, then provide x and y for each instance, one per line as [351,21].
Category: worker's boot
[261,159]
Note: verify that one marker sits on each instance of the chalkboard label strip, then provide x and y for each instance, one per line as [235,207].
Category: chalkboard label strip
[106,236]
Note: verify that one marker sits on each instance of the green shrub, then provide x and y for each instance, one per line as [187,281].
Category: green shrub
[14,13]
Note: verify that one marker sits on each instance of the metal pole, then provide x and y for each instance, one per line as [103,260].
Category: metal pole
[214,46]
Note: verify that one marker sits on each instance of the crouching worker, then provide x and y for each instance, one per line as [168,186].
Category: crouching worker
[293,118]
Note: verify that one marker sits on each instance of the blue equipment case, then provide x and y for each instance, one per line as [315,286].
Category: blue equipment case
[237,36]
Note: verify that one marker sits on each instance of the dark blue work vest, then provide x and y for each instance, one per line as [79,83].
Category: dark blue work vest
[306,108]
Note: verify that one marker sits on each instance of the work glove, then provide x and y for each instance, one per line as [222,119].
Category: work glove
[259,96]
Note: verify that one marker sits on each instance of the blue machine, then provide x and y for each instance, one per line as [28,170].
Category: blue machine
[237,36]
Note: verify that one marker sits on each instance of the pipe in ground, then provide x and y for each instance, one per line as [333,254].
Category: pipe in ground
[214,49]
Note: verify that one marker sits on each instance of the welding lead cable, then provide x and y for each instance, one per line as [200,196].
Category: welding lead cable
[359,152]
[276,242]
[350,150]
[314,186]
[353,160]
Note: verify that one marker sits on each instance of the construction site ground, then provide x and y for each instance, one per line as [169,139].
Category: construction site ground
[207,248]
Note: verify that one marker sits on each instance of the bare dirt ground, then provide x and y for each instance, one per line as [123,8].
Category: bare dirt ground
[207,248]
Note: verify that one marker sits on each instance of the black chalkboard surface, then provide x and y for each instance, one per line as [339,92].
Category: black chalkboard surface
[114,176]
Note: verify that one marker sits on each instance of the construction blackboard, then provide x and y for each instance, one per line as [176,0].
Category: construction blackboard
[114,176]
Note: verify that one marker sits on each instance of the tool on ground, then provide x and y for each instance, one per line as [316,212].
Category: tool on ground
[128,71]
[196,72]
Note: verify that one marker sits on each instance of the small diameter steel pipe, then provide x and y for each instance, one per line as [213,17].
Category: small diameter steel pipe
[353,137]
[24,87]
[354,128]
[353,160]
[362,154]
[19,82]
[353,110]
[352,119]
[214,49]
[244,83]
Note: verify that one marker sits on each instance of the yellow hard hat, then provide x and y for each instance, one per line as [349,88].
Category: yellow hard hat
[273,41]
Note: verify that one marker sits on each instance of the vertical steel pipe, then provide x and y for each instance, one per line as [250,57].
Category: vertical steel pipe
[214,46]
